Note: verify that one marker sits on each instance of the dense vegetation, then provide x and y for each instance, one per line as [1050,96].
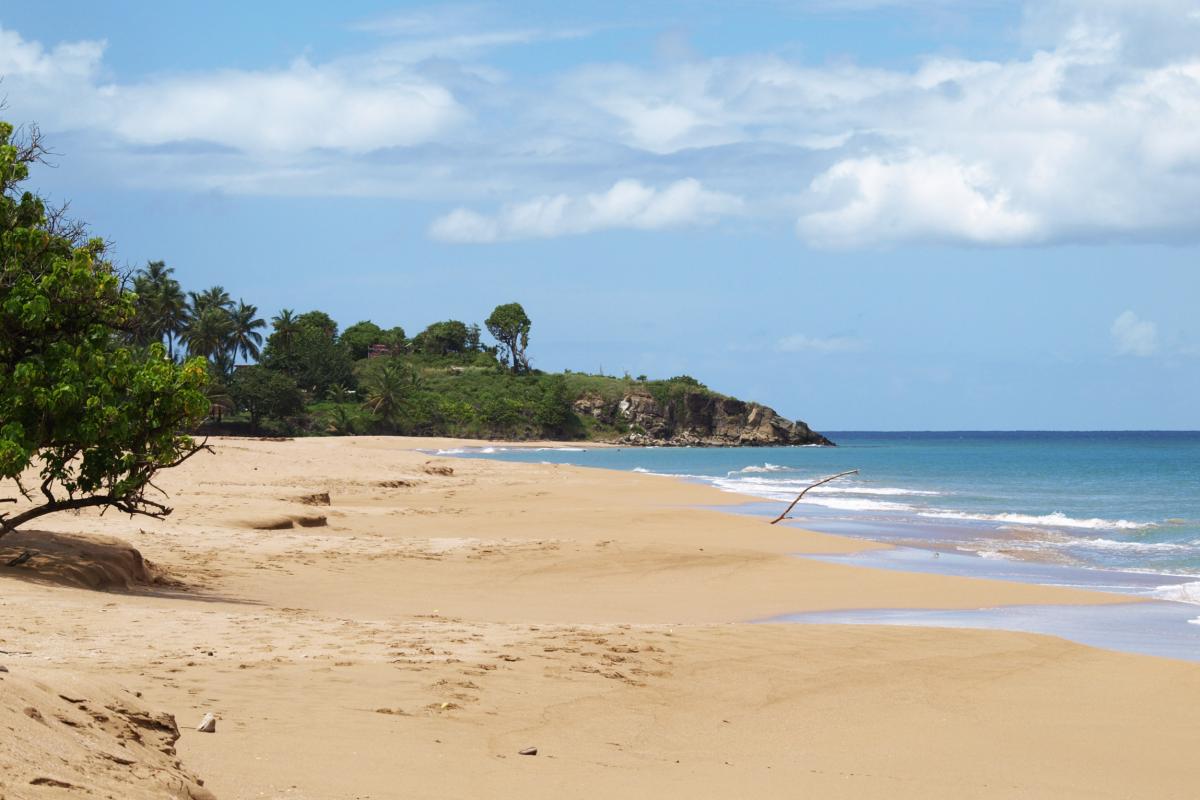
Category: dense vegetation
[101,371]
[90,416]
[301,374]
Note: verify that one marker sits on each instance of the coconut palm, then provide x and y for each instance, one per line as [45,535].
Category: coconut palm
[208,332]
[245,338]
[215,297]
[161,309]
[286,325]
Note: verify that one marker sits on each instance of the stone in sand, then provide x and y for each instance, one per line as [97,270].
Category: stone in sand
[208,724]
[528,751]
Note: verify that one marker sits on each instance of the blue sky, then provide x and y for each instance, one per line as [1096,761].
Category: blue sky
[888,214]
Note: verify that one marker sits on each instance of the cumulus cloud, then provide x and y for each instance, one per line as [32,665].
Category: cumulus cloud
[1133,336]
[914,197]
[800,343]
[1086,138]
[1084,133]
[290,110]
[627,204]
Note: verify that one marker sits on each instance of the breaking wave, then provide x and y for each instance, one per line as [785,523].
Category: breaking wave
[1054,520]
[1180,593]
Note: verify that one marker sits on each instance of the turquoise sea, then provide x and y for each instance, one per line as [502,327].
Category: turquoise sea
[1115,510]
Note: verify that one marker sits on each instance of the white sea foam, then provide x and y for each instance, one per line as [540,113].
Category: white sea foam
[1131,547]
[855,504]
[768,467]
[1180,593]
[890,491]
[1055,520]
[786,490]
[1195,621]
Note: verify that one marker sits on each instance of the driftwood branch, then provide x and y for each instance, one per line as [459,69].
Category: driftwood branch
[812,486]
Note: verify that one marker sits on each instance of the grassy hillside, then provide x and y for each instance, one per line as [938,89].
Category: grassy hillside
[466,395]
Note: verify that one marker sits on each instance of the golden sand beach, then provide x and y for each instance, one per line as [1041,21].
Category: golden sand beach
[408,636]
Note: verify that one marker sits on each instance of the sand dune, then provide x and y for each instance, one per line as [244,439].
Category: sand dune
[453,612]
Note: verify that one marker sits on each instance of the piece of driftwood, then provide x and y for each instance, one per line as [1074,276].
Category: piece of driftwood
[812,486]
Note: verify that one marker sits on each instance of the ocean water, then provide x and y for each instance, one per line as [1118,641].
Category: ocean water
[1116,500]
[1116,511]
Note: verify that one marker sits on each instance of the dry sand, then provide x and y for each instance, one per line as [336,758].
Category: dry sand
[410,637]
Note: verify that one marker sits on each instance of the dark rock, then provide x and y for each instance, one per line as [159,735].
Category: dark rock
[696,418]
[528,751]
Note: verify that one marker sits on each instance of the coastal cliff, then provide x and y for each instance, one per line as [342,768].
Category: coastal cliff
[696,418]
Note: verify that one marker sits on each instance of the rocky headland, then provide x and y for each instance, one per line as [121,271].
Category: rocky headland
[695,418]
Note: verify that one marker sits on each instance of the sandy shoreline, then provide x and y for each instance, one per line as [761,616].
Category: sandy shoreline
[438,623]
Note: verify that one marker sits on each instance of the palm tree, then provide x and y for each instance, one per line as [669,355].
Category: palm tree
[208,332]
[387,388]
[339,422]
[160,305]
[216,297]
[286,326]
[245,338]
[172,313]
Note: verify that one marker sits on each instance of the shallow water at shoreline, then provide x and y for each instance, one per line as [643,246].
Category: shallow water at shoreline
[1171,630]
[1120,500]
[1052,509]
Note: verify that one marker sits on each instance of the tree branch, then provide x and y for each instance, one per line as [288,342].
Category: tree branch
[812,486]
[147,508]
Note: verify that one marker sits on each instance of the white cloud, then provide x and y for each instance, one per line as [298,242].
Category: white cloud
[299,108]
[1086,133]
[1088,139]
[290,110]
[627,204]
[800,343]
[918,197]
[1133,336]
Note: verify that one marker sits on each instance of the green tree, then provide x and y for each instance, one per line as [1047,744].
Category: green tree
[307,349]
[214,297]
[285,326]
[208,331]
[318,321]
[95,419]
[161,306]
[244,338]
[443,338]
[395,339]
[359,337]
[509,325]
[262,392]
[554,410]
[389,385]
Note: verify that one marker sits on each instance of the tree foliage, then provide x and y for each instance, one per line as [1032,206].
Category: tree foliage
[262,392]
[390,385]
[85,415]
[359,337]
[443,338]
[307,349]
[510,325]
